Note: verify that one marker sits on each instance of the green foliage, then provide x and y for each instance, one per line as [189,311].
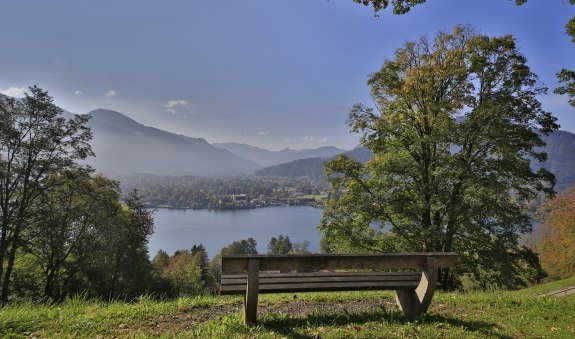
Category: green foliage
[37,145]
[280,245]
[456,124]
[570,27]
[184,273]
[399,6]
[404,6]
[567,78]
[310,168]
[244,246]
[202,254]
[85,240]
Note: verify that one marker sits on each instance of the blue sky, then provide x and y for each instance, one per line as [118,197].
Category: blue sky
[271,73]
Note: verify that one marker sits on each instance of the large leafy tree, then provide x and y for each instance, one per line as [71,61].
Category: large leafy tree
[565,76]
[455,125]
[36,145]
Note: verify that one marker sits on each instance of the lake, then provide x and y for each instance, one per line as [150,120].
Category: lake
[182,228]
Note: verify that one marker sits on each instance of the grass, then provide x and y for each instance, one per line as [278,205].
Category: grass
[544,288]
[521,314]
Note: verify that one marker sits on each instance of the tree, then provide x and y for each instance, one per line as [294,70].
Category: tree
[244,246]
[556,245]
[456,123]
[281,245]
[36,144]
[66,220]
[301,247]
[565,76]
[128,246]
[202,254]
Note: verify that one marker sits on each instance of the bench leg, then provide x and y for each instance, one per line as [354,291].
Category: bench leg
[416,301]
[251,299]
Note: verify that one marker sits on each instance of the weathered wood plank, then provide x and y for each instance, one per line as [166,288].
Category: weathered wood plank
[319,274]
[251,300]
[314,287]
[303,262]
[299,280]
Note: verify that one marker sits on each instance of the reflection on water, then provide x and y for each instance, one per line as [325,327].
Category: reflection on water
[182,228]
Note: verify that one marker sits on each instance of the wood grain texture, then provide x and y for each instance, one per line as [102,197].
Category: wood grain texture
[251,299]
[324,286]
[307,262]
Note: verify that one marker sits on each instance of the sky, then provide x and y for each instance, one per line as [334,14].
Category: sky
[270,73]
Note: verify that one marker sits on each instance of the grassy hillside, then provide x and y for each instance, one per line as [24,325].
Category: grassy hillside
[312,315]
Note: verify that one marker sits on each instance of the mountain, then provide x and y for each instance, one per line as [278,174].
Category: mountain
[310,167]
[124,146]
[560,161]
[268,158]
[561,158]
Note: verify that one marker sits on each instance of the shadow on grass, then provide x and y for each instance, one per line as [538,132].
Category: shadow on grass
[291,326]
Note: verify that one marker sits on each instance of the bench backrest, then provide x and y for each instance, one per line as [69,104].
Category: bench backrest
[303,262]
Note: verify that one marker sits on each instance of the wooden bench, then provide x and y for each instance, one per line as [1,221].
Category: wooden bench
[250,275]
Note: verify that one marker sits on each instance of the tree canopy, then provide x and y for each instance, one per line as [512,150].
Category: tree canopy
[455,125]
[37,145]
[565,76]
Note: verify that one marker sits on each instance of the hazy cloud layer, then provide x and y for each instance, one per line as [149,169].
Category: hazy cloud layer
[177,106]
[12,91]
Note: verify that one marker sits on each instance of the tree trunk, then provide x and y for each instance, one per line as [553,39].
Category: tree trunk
[8,273]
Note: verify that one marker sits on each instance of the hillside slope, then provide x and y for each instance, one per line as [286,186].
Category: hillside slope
[124,146]
[497,314]
[311,167]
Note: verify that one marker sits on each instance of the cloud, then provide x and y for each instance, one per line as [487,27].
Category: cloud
[310,138]
[78,92]
[111,93]
[13,92]
[177,106]
[263,133]
[287,140]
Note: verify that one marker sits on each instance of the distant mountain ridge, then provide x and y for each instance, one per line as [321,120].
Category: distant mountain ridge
[561,158]
[266,157]
[560,161]
[124,146]
[311,167]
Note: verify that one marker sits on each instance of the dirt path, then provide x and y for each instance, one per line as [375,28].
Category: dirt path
[186,319]
[561,293]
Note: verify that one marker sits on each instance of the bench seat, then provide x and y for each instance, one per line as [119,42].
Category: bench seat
[321,281]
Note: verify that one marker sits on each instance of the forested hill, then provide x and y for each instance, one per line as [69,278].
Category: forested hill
[311,168]
[124,146]
[266,157]
[560,149]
